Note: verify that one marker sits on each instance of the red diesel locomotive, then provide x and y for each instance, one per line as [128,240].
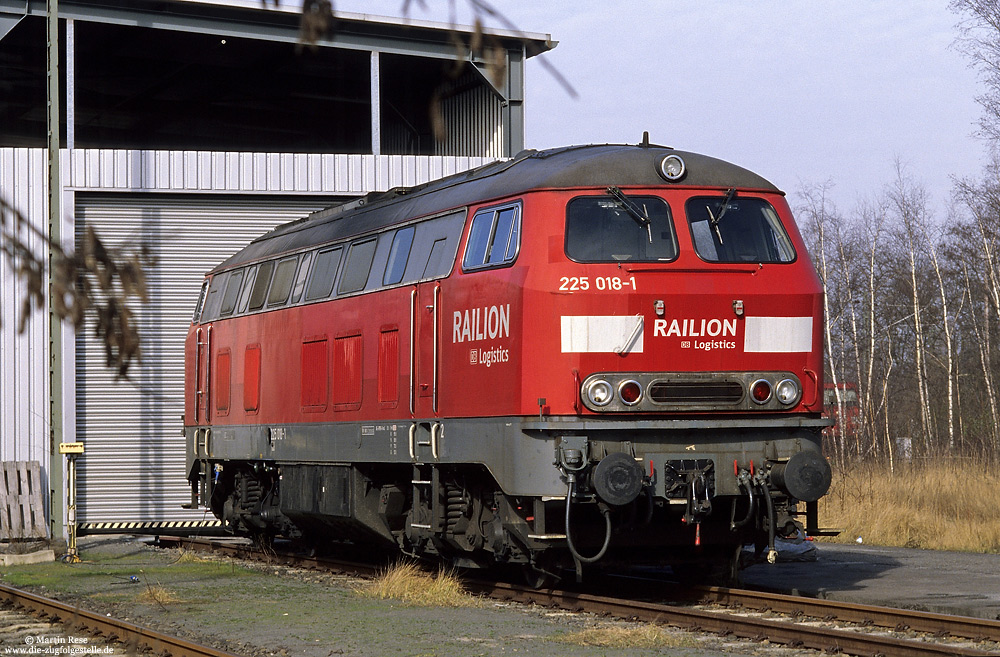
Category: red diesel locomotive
[596,353]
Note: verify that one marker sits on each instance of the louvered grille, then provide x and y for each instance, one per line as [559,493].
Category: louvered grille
[696,392]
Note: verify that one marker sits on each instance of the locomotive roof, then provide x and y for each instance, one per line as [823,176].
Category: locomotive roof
[568,167]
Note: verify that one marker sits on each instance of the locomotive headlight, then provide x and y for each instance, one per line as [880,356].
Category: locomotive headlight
[599,392]
[760,391]
[787,391]
[630,392]
[672,167]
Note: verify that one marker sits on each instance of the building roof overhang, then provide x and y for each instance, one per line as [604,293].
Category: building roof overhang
[249,19]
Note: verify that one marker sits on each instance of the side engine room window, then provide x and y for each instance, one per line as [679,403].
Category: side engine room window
[605,229]
[284,275]
[247,288]
[398,255]
[232,293]
[359,264]
[494,238]
[744,230]
[300,279]
[324,274]
[261,284]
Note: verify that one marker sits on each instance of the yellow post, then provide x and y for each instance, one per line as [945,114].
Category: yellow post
[72,451]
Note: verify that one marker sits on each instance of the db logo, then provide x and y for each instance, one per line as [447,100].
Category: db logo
[473,356]
[685,344]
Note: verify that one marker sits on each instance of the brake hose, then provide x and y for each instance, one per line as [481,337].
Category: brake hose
[772,554]
[569,539]
[752,506]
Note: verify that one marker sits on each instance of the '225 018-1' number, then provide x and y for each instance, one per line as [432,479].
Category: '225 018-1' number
[583,283]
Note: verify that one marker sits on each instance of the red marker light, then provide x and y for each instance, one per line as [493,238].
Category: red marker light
[630,392]
[760,390]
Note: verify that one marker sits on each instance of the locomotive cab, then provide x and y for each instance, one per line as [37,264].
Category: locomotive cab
[601,354]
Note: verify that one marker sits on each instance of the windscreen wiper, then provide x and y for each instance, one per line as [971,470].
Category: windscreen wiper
[713,220]
[637,213]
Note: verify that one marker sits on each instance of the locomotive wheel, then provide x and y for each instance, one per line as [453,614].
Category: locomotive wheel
[726,572]
[539,579]
[720,567]
[263,541]
[542,573]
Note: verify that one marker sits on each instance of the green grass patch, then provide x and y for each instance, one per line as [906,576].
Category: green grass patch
[109,575]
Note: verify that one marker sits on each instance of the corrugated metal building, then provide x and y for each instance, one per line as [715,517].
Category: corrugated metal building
[195,127]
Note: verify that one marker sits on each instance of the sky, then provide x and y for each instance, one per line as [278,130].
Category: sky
[803,93]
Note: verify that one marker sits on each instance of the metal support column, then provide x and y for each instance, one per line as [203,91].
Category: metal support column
[70,50]
[376,100]
[55,238]
[513,112]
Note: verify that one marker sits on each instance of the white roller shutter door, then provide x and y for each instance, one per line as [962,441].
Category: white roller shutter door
[132,474]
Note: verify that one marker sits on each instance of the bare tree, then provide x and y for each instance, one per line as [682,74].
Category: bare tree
[818,217]
[979,40]
[909,203]
[871,216]
[946,327]
[976,237]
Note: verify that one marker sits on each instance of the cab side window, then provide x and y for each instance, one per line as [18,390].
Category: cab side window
[494,238]
[201,302]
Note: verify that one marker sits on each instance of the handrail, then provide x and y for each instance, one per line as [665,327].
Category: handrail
[413,360]
[434,382]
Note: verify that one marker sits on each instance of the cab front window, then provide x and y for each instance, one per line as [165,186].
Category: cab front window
[735,229]
[609,229]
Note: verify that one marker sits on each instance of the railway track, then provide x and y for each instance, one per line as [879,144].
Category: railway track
[804,622]
[119,636]
[793,633]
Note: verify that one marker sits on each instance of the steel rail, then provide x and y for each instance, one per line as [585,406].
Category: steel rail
[110,629]
[786,632]
[979,629]
[246,551]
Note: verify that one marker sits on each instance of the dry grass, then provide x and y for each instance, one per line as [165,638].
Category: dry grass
[612,636]
[412,586]
[941,505]
[157,595]
[186,556]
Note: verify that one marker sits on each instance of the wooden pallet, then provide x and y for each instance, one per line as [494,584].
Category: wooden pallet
[22,515]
